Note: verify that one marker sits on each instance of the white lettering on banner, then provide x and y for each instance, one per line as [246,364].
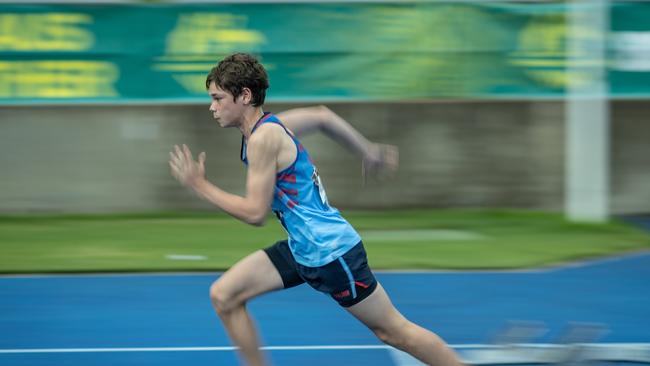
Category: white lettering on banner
[631,51]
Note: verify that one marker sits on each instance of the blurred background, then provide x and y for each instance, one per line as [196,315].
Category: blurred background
[536,105]
[524,137]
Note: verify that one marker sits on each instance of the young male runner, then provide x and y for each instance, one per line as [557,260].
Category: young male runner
[322,248]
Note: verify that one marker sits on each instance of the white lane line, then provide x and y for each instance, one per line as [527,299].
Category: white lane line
[482,353]
[404,359]
[418,235]
[190,349]
[186,257]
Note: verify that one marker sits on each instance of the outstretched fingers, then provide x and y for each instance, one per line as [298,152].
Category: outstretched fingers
[183,166]
[202,157]
[187,154]
[389,158]
[381,163]
[174,160]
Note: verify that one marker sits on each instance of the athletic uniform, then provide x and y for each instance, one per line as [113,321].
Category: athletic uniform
[322,249]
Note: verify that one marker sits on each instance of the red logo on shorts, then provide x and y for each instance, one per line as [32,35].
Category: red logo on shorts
[342,294]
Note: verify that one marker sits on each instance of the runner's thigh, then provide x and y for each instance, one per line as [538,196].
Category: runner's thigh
[250,277]
[377,311]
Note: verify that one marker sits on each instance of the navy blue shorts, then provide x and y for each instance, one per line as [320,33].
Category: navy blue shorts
[348,279]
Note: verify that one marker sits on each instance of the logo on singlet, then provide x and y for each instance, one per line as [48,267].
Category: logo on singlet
[319,184]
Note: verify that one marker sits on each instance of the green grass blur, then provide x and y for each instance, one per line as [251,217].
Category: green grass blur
[500,240]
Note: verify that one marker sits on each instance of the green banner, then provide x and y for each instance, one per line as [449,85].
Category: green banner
[355,51]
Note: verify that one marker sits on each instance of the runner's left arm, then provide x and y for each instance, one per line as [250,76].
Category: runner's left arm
[378,159]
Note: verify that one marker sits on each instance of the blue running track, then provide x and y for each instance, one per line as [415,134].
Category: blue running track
[164,320]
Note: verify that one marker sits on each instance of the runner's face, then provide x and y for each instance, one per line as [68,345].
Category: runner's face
[225,110]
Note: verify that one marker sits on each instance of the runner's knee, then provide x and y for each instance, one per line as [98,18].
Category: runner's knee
[382,334]
[222,300]
[395,336]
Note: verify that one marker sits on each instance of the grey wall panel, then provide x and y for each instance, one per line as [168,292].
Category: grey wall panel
[630,173]
[453,154]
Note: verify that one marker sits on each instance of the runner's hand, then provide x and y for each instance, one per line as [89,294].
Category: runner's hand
[184,168]
[380,162]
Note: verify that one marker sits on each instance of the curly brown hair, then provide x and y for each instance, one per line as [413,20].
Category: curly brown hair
[239,71]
